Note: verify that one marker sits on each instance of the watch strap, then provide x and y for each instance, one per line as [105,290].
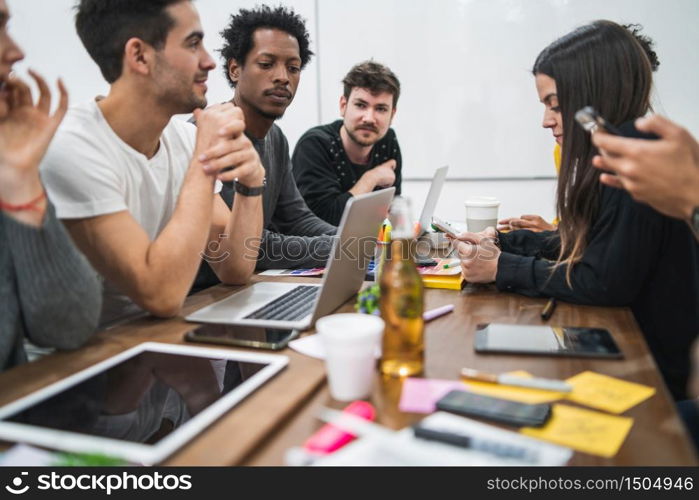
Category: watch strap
[249,191]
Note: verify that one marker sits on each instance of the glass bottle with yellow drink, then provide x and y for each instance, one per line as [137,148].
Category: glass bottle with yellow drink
[401,301]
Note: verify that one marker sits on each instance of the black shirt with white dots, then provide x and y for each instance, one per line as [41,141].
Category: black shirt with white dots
[324,173]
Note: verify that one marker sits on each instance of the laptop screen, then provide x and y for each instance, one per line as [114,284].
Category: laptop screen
[432,197]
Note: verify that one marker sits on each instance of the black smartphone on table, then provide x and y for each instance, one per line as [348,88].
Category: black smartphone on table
[499,410]
[245,336]
[580,342]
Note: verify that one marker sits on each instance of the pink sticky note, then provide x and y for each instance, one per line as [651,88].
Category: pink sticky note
[420,395]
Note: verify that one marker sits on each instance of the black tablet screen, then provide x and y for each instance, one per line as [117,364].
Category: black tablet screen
[141,399]
[530,339]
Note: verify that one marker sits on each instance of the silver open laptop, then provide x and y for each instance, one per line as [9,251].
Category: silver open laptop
[438,179]
[297,306]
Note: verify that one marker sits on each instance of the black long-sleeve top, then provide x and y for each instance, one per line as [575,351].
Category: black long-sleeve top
[325,174]
[634,257]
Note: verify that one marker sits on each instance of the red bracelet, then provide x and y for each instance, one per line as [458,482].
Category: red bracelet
[32,205]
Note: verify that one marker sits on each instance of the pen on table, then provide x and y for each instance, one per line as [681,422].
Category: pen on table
[499,448]
[401,447]
[549,308]
[436,313]
[505,379]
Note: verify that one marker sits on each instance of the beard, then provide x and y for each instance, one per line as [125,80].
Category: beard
[176,91]
[4,109]
[4,100]
[359,141]
[269,115]
[181,99]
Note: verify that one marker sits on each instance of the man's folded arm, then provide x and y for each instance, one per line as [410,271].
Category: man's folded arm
[234,240]
[156,274]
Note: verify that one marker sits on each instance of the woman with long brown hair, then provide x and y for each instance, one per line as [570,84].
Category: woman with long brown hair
[608,250]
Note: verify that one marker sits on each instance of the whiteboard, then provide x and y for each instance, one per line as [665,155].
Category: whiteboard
[45,29]
[468,97]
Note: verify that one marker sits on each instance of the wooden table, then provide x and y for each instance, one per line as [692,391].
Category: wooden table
[656,438]
[281,414]
[232,437]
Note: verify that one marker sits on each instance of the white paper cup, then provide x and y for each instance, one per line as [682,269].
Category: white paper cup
[481,212]
[351,342]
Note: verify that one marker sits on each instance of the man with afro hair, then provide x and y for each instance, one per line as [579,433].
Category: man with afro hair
[265,49]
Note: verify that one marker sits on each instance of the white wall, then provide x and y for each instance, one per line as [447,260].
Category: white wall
[468,98]
[45,29]
[516,197]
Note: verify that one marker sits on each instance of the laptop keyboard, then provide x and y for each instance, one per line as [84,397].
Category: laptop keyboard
[293,305]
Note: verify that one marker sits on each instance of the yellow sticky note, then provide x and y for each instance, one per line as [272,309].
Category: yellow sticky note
[607,393]
[513,393]
[583,430]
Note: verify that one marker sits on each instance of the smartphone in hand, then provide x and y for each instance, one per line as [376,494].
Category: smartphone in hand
[444,226]
[590,120]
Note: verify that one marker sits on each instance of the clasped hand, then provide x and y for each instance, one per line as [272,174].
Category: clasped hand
[222,147]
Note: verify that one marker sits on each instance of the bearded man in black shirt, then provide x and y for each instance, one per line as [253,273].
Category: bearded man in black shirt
[357,154]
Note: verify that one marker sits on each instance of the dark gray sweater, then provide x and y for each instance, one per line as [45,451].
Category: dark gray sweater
[293,236]
[49,294]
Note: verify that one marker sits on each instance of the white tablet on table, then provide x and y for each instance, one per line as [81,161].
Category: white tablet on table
[140,405]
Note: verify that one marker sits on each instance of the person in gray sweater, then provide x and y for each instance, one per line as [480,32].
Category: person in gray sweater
[49,294]
[265,50]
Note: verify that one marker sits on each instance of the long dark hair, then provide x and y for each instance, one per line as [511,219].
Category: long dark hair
[603,65]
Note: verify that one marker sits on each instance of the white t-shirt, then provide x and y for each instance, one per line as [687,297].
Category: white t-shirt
[89,171]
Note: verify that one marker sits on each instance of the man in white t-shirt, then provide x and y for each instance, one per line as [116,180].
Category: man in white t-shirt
[135,187]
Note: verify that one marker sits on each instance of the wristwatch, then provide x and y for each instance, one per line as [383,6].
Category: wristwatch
[249,191]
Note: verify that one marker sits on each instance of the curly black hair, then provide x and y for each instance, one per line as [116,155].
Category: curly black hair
[646,43]
[239,32]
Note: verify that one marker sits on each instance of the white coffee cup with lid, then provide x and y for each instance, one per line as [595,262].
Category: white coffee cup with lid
[481,212]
